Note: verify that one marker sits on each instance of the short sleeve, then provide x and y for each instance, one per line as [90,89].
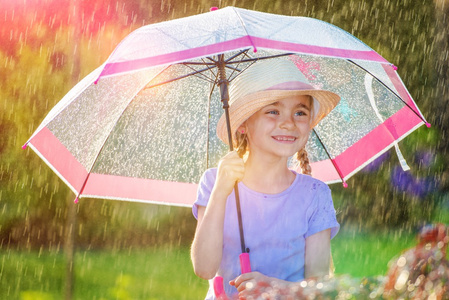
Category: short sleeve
[323,215]
[204,190]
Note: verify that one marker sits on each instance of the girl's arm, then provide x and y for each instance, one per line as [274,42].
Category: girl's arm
[318,253]
[208,242]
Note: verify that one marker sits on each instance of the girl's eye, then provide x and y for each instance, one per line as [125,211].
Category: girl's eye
[301,113]
[272,112]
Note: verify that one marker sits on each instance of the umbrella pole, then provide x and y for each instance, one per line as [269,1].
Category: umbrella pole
[223,83]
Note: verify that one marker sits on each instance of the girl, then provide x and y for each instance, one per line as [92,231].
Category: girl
[288,218]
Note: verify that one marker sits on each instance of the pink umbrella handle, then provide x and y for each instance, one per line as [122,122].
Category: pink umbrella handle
[219,288]
[245,266]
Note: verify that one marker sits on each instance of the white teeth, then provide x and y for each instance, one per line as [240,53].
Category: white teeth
[283,138]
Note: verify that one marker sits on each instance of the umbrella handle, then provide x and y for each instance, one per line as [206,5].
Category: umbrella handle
[219,288]
[245,266]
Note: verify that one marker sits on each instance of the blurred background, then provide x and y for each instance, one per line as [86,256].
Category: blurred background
[51,248]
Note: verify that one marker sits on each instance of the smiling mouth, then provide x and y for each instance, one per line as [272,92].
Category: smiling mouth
[284,138]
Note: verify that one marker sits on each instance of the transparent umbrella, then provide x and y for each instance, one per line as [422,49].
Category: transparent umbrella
[142,126]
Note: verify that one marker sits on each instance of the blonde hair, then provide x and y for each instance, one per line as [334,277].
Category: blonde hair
[241,143]
[303,159]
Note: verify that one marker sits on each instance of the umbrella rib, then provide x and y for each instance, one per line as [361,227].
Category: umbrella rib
[259,58]
[236,69]
[246,30]
[208,110]
[214,74]
[208,122]
[330,157]
[212,70]
[233,68]
[388,88]
[199,63]
[200,72]
[180,77]
[206,64]
[243,52]
[213,60]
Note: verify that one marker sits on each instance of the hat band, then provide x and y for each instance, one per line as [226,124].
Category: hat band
[291,85]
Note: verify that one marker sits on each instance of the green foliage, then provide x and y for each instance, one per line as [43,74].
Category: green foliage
[122,226]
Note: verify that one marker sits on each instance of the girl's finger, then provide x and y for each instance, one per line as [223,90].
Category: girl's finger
[238,281]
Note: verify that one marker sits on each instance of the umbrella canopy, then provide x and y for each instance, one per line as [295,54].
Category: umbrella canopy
[142,126]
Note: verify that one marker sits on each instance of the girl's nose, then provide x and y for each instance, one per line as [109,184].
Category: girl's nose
[287,122]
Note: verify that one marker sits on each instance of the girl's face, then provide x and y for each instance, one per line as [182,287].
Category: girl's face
[280,129]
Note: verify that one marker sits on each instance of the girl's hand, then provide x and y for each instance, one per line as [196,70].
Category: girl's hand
[253,284]
[207,246]
[230,170]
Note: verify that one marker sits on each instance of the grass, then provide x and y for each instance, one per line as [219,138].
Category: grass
[367,254]
[165,273]
[139,274]
[151,274]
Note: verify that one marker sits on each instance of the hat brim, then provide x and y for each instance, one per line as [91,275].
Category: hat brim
[243,108]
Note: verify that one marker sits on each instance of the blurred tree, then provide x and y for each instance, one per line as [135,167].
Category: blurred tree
[37,64]
[440,93]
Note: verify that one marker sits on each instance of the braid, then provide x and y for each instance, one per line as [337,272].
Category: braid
[242,143]
[303,159]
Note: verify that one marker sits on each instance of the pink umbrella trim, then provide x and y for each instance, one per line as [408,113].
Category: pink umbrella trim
[113,68]
[140,189]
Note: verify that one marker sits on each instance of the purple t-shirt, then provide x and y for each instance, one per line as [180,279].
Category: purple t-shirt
[275,227]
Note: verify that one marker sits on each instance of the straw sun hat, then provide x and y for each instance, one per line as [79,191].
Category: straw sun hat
[264,83]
